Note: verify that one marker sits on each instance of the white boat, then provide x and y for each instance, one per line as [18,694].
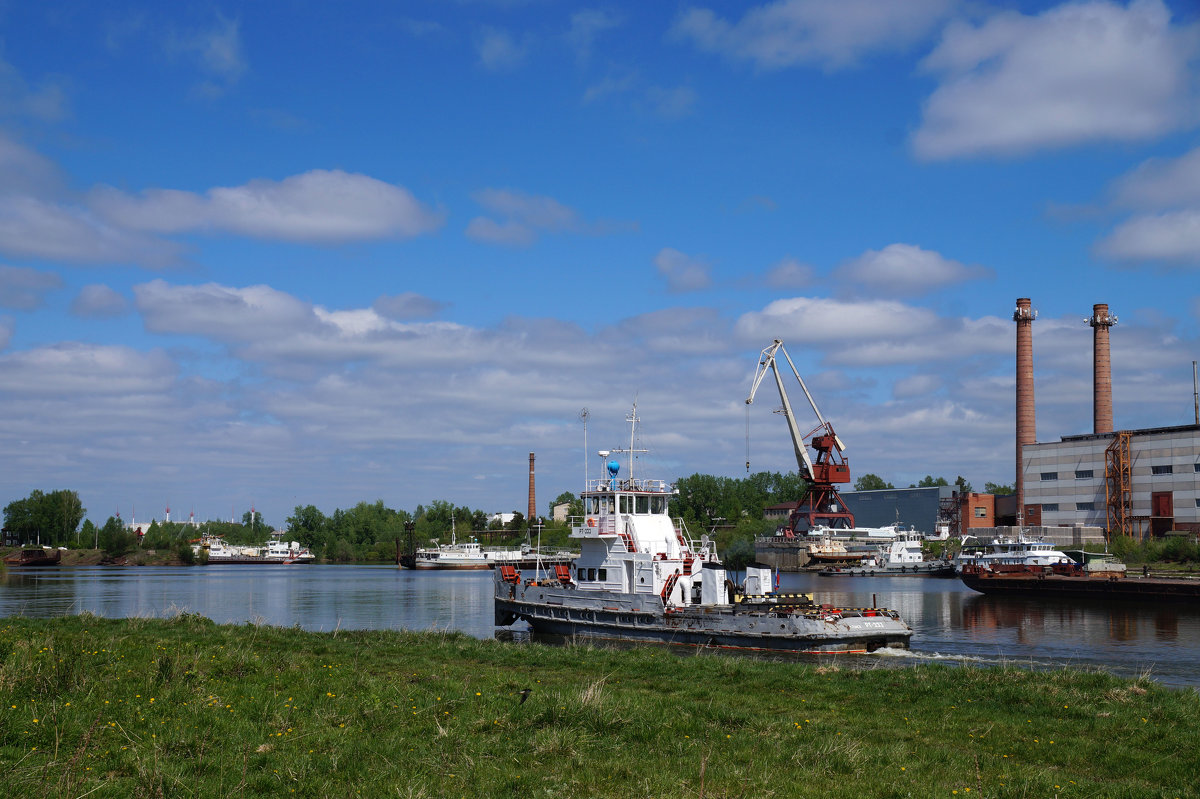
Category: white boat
[901,556]
[640,576]
[468,555]
[283,552]
[1020,551]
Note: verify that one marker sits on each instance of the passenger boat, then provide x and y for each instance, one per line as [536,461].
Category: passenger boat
[640,576]
[824,550]
[1020,551]
[901,557]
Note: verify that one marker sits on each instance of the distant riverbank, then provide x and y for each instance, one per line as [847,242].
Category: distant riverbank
[146,707]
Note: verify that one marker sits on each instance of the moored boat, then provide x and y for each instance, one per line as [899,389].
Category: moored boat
[275,552]
[34,557]
[640,576]
[1089,575]
[903,556]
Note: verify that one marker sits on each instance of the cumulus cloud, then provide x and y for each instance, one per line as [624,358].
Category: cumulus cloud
[682,272]
[86,370]
[517,218]
[320,206]
[1079,72]
[216,51]
[872,332]
[97,301]
[220,312]
[790,33]
[904,270]
[24,289]
[1171,236]
[6,331]
[1166,192]
[790,274]
[34,228]
[407,305]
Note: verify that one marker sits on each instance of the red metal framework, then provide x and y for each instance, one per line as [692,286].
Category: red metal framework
[1118,485]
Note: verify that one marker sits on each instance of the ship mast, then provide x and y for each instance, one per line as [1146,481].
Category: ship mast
[633,420]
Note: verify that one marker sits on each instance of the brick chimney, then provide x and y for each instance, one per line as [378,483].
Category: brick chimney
[1101,320]
[532,500]
[1024,315]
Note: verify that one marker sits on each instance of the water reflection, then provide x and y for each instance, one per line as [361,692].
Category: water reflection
[950,622]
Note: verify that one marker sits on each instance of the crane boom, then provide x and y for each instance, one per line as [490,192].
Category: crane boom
[821,505]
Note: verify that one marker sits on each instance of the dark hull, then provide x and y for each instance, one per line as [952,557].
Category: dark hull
[916,570]
[1154,589]
[709,629]
[33,557]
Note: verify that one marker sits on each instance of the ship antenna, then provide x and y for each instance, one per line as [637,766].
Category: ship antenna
[583,417]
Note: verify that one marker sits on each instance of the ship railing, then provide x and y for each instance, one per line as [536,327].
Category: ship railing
[629,484]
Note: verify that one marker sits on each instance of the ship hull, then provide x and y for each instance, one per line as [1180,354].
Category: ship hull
[1055,585]
[641,617]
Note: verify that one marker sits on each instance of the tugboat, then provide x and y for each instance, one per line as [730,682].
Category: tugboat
[640,577]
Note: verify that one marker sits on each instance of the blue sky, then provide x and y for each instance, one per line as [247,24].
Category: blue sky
[280,254]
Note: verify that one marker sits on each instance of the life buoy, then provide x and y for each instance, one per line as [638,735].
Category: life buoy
[591,522]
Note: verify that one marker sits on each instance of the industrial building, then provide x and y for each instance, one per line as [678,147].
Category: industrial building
[1128,482]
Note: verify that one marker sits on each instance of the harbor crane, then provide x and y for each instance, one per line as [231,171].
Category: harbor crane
[822,505]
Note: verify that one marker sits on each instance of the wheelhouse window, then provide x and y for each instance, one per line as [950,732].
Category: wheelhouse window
[602,574]
[659,504]
[626,503]
[1049,476]
[1162,468]
[643,503]
[1083,474]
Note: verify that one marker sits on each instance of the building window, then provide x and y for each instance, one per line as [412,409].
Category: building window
[1049,476]
[1085,506]
[1164,468]
[1049,506]
[1196,466]
[980,512]
[1083,474]
[603,575]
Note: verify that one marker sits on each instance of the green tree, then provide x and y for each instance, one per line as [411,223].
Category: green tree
[998,489]
[52,517]
[928,481]
[576,504]
[963,486]
[871,482]
[307,524]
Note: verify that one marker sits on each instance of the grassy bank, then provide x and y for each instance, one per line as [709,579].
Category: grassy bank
[183,707]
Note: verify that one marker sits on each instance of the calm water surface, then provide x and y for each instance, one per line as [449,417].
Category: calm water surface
[951,622]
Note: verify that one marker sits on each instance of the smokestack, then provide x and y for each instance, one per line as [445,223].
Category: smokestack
[1101,320]
[1024,315]
[532,501]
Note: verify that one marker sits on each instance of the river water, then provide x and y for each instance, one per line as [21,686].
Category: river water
[952,623]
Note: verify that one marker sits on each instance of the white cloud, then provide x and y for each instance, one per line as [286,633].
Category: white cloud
[920,385]
[24,289]
[1167,192]
[407,306]
[24,172]
[217,52]
[683,272]
[6,331]
[222,313]
[34,228]
[524,216]
[1171,236]
[1076,73]
[1161,183]
[97,301]
[904,270]
[801,32]
[498,50]
[87,370]
[790,274]
[321,206]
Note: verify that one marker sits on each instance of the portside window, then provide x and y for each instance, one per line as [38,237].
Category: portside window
[626,504]
[659,504]
[603,575]
[1049,476]
[643,503]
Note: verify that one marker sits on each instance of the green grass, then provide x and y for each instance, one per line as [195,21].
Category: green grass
[183,707]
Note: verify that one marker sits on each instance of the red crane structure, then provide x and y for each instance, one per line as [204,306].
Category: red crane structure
[822,505]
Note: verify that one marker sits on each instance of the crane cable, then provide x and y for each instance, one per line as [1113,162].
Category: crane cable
[747,439]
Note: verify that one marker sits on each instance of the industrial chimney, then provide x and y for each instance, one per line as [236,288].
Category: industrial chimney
[1101,320]
[532,501]
[1024,315]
